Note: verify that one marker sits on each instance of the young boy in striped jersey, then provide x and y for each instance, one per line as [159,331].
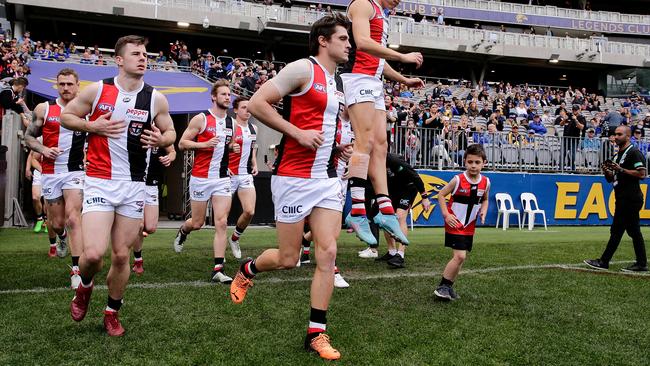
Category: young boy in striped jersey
[469,199]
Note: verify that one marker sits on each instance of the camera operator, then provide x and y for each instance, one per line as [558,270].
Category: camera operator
[625,172]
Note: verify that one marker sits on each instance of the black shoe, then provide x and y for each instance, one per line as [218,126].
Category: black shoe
[304,258]
[596,264]
[397,261]
[635,268]
[454,295]
[386,257]
[443,293]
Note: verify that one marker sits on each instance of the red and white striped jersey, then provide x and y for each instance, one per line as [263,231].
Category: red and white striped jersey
[344,135]
[70,143]
[465,202]
[242,162]
[360,62]
[316,107]
[122,158]
[213,162]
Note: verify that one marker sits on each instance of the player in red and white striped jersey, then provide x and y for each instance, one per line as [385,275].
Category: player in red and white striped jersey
[62,168]
[364,97]
[243,167]
[304,181]
[210,135]
[127,117]
[469,201]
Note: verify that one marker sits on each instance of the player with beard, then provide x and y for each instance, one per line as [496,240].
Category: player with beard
[62,167]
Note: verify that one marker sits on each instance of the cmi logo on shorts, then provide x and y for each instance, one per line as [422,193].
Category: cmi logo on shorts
[47,190]
[96,201]
[76,181]
[198,193]
[137,114]
[366,92]
[292,210]
[404,202]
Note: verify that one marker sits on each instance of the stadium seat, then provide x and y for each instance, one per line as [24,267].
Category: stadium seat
[531,208]
[506,207]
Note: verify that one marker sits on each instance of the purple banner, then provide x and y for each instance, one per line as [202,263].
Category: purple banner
[185,92]
[513,18]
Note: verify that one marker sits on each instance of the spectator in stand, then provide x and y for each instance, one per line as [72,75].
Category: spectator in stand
[537,126]
[441,17]
[646,121]
[590,142]
[457,142]
[531,139]
[391,118]
[473,111]
[11,99]
[184,57]
[486,111]
[161,59]
[514,137]
[174,49]
[100,60]
[433,119]
[595,125]
[11,71]
[264,77]
[521,110]
[60,55]
[86,58]
[412,142]
[614,119]
[573,127]
[217,71]
[637,137]
[248,82]
[561,108]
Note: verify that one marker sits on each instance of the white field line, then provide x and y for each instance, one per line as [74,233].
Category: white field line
[389,275]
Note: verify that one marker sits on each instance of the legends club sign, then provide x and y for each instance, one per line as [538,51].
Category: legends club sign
[513,18]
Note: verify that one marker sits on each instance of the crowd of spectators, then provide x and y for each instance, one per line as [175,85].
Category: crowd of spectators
[449,117]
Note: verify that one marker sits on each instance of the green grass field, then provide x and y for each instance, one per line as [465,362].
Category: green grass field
[525,300]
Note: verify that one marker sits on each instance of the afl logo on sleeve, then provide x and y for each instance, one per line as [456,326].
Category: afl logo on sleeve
[105,107]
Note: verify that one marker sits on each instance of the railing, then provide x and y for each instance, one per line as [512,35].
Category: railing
[306,16]
[489,38]
[603,16]
[437,149]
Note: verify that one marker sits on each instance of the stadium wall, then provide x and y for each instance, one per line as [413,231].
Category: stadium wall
[568,199]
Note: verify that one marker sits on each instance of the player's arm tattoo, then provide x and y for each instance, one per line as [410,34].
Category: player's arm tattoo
[34,130]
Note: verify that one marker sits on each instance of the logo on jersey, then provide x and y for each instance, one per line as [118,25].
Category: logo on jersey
[292,209]
[54,119]
[340,96]
[105,107]
[320,88]
[137,114]
[135,128]
[96,201]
